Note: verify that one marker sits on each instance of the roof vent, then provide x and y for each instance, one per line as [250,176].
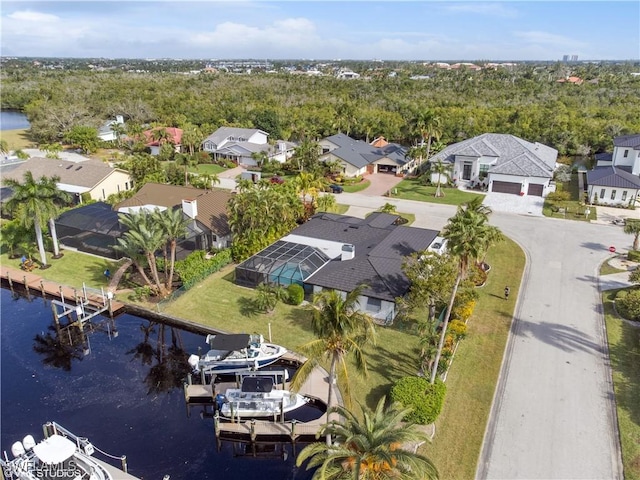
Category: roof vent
[348,252]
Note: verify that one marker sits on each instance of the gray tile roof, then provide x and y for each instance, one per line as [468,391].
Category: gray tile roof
[380,248]
[360,154]
[612,177]
[87,173]
[514,156]
[631,141]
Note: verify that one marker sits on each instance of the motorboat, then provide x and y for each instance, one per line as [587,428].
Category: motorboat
[60,455]
[236,353]
[257,398]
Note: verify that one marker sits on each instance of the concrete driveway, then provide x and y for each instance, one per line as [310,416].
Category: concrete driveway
[508,203]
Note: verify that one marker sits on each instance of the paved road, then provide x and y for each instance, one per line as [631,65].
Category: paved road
[553,415]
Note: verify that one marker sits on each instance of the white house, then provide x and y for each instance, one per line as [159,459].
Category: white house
[502,163]
[612,186]
[240,145]
[106,132]
[626,154]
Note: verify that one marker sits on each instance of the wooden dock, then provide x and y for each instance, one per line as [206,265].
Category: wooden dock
[34,283]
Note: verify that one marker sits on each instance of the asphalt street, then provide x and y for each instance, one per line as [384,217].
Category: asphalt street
[553,415]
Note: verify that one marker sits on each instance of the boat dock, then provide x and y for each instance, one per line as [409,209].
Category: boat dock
[258,431]
[95,301]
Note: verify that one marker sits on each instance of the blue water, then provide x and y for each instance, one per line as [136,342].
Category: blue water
[13,120]
[118,395]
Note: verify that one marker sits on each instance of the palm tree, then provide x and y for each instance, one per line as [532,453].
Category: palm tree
[129,248]
[33,201]
[209,180]
[59,198]
[341,329]
[186,161]
[370,447]
[52,149]
[14,234]
[308,184]
[326,203]
[440,169]
[174,226]
[462,233]
[632,227]
[4,146]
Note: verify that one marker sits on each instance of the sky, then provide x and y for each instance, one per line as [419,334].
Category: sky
[323,30]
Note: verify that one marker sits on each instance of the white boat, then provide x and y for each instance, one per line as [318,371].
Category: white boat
[60,455]
[236,353]
[257,397]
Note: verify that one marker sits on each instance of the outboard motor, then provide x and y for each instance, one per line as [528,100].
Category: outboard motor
[194,362]
[220,401]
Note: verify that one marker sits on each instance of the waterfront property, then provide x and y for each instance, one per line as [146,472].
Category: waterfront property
[339,252]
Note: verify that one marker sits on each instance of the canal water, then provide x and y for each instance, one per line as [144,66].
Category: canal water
[120,386]
[13,120]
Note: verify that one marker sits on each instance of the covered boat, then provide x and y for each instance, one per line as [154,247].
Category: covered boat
[257,397]
[236,353]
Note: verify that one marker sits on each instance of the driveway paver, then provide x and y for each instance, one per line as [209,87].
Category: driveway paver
[381,183]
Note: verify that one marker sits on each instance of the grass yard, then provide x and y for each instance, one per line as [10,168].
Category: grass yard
[624,351]
[207,168]
[73,269]
[358,187]
[472,379]
[474,374]
[339,208]
[412,189]
[17,139]
[575,207]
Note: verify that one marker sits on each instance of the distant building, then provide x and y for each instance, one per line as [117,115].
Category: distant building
[565,58]
[574,58]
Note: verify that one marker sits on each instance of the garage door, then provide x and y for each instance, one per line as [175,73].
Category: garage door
[506,187]
[535,189]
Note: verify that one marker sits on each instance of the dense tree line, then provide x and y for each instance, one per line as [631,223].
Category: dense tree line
[526,101]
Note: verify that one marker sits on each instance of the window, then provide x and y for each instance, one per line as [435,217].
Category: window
[624,195]
[602,193]
[613,194]
[626,153]
[484,169]
[374,304]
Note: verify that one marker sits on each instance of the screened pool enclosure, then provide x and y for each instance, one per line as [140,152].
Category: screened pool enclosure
[281,263]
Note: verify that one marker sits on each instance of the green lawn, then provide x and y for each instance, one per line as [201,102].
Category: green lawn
[624,351]
[17,139]
[73,269]
[207,168]
[412,189]
[339,208]
[358,187]
[575,208]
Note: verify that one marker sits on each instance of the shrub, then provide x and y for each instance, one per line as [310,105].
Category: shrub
[464,310]
[296,294]
[417,393]
[633,256]
[458,329]
[196,266]
[621,294]
[629,305]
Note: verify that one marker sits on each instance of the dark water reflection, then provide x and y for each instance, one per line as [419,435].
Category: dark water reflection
[120,388]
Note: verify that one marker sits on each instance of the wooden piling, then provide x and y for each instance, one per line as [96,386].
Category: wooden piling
[26,287]
[253,437]
[42,289]
[10,283]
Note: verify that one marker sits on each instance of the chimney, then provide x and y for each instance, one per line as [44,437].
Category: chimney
[348,252]
[190,208]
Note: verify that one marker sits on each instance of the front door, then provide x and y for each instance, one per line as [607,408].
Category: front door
[466,171]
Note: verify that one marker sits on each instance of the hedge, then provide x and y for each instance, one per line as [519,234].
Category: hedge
[296,294]
[424,398]
[196,267]
[633,256]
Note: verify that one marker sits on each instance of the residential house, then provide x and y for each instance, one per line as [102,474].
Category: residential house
[626,154]
[106,132]
[612,186]
[339,252]
[174,137]
[90,178]
[359,158]
[502,163]
[242,145]
[207,208]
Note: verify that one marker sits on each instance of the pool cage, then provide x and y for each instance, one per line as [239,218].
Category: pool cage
[281,263]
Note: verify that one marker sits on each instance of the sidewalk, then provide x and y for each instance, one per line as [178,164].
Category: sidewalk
[614,281]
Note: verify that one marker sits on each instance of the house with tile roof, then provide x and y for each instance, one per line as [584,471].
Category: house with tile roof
[207,209]
[502,163]
[340,252]
[174,136]
[90,178]
[612,186]
[360,158]
[240,145]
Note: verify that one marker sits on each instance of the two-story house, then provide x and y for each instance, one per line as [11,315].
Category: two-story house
[243,146]
[616,178]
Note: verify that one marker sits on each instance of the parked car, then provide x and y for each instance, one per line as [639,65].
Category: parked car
[277,179]
[336,188]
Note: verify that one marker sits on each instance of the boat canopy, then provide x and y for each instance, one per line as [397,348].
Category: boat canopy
[230,342]
[54,450]
[257,384]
